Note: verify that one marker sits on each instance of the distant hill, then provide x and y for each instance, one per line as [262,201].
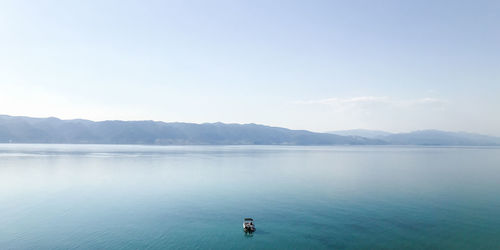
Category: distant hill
[436,137]
[425,137]
[16,129]
[361,132]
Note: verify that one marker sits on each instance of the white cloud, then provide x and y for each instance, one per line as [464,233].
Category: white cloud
[353,100]
[429,100]
[372,100]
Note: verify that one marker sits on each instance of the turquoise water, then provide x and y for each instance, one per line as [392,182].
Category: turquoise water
[187,197]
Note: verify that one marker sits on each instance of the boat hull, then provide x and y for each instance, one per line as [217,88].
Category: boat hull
[248,228]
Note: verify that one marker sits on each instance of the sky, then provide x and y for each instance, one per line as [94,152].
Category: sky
[318,65]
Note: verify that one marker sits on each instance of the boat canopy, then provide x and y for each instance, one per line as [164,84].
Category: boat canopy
[250,219]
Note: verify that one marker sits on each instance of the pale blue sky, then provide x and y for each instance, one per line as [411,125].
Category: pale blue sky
[317,65]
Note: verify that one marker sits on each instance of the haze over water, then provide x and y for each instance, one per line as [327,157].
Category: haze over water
[154,197]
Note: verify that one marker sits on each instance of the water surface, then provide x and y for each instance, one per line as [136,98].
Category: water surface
[155,197]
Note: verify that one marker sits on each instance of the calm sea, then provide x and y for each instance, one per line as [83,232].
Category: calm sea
[195,197]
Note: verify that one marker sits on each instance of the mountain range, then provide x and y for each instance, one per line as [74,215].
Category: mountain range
[20,129]
[424,137]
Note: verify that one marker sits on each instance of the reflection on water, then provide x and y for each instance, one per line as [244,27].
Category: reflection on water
[129,197]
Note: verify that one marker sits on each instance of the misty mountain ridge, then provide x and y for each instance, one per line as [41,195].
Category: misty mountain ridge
[361,132]
[19,129]
[425,137]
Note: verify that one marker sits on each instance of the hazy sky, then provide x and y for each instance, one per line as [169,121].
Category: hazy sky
[317,65]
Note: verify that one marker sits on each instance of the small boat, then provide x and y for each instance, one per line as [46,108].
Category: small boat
[248,225]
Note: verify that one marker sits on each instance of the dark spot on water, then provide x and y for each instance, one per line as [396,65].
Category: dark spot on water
[248,235]
[260,231]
